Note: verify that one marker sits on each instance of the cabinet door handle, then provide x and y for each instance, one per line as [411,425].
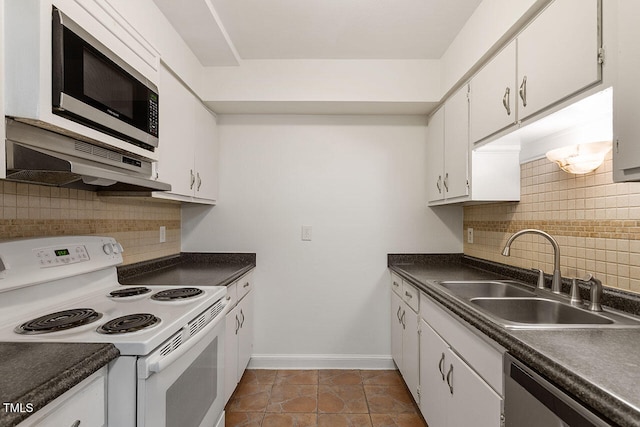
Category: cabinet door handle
[237,324]
[446,182]
[438,184]
[450,378]
[523,91]
[398,314]
[193,179]
[408,294]
[76,423]
[441,365]
[506,100]
[199,182]
[242,314]
[404,325]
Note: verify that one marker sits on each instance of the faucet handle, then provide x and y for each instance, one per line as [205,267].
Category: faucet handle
[540,277]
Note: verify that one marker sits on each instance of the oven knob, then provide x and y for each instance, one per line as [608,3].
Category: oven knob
[108,248]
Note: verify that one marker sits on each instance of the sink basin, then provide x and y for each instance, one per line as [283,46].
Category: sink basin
[486,288]
[538,311]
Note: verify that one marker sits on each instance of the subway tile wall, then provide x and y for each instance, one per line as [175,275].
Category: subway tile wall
[28,210]
[596,223]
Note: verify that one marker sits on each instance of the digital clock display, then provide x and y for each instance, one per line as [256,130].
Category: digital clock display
[61,252]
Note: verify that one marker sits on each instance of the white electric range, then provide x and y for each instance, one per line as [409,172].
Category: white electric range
[171,338]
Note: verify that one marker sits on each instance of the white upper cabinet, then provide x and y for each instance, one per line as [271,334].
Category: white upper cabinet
[455,173]
[435,156]
[456,145]
[558,54]
[493,95]
[626,126]
[447,150]
[552,59]
[188,144]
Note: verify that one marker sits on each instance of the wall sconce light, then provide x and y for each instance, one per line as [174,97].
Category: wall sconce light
[580,158]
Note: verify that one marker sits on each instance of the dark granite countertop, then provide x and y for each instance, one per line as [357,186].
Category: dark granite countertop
[599,367]
[37,373]
[188,269]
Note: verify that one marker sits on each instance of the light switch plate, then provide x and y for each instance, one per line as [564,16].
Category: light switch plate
[163,234]
[469,235]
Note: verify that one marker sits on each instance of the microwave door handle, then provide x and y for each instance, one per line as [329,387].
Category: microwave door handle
[156,362]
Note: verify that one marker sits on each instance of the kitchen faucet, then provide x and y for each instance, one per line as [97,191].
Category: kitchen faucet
[555,282]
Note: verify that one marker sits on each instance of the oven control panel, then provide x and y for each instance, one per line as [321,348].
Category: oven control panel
[61,255]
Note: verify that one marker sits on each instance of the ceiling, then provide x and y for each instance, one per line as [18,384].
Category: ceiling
[225,32]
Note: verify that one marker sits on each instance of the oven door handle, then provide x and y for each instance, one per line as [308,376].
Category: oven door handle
[156,362]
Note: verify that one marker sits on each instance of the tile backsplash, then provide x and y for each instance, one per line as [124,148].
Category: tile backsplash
[28,210]
[595,221]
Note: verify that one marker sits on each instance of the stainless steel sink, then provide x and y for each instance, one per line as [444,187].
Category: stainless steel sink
[538,311]
[486,288]
[515,306]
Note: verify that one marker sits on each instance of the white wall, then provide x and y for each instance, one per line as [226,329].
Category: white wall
[359,181]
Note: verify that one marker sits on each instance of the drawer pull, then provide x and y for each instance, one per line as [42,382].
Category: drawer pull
[76,423]
[246,285]
[408,294]
[396,284]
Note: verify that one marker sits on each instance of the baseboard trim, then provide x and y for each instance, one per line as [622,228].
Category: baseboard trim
[320,361]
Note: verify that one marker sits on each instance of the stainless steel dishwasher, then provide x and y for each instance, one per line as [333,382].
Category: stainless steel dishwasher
[532,401]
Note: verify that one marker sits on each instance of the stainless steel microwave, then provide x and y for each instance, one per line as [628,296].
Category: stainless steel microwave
[93,86]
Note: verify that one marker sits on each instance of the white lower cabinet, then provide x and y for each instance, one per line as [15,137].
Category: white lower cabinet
[404,332]
[451,393]
[460,373]
[83,405]
[238,333]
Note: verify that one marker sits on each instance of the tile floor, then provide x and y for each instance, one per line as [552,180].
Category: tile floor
[325,398]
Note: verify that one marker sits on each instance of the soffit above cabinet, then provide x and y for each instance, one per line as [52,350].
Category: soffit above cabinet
[223,32]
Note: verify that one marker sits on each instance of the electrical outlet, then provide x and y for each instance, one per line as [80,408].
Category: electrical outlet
[469,235]
[163,234]
[306,232]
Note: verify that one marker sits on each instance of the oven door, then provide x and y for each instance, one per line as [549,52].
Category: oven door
[184,388]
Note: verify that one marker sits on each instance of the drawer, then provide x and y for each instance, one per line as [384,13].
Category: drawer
[411,296]
[232,294]
[245,284]
[396,284]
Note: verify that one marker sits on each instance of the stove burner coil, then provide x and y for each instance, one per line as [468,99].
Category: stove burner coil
[129,323]
[177,294]
[59,321]
[129,292]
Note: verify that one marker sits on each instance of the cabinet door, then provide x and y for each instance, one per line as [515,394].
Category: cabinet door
[231,352]
[492,105]
[245,336]
[206,153]
[626,126]
[482,406]
[456,145]
[435,156]
[396,329]
[410,352]
[433,391]
[176,134]
[558,54]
